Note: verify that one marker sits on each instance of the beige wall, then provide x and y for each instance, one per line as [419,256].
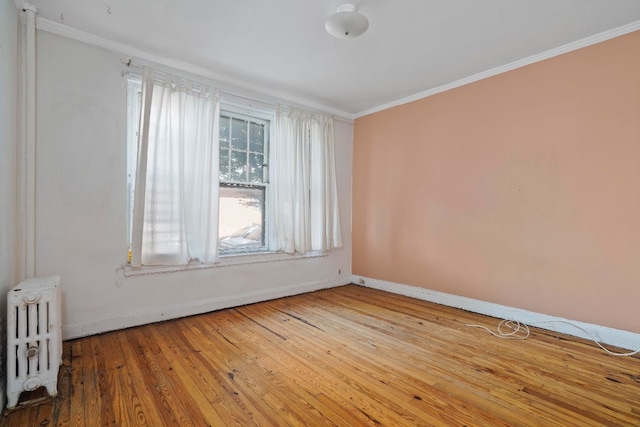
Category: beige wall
[9,248]
[522,189]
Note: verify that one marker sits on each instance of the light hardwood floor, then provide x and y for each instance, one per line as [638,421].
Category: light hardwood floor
[346,356]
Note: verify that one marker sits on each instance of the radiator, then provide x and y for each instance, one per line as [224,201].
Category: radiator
[34,337]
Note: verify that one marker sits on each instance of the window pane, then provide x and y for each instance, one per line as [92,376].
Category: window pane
[239,134]
[241,218]
[238,165]
[225,175]
[255,167]
[243,145]
[257,137]
[225,124]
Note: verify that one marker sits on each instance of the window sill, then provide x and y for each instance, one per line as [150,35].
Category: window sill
[228,260]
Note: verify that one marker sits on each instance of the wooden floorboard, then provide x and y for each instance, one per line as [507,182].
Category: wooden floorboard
[346,356]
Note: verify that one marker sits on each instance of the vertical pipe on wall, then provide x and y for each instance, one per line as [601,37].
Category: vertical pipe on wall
[28,193]
[21,143]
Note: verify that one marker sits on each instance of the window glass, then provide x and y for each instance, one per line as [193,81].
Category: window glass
[239,134]
[238,165]
[225,174]
[255,167]
[257,137]
[241,218]
[242,182]
[225,127]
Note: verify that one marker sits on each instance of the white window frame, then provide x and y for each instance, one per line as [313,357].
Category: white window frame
[249,113]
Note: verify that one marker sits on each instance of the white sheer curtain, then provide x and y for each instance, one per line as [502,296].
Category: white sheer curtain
[323,189]
[305,200]
[175,216]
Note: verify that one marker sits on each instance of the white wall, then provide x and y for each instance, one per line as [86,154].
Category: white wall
[9,26]
[9,247]
[81,207]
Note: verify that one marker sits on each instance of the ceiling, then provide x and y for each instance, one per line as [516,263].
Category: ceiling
[281,46]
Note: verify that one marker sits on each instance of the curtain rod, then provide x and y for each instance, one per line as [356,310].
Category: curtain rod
[131,65]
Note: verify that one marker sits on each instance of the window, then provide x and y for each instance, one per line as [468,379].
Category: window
[243,174]
[199,175]
[244,136]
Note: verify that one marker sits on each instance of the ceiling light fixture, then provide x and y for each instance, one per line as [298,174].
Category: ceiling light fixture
[346,23]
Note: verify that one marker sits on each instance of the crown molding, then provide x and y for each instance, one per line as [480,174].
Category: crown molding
[570,47]
[224,82]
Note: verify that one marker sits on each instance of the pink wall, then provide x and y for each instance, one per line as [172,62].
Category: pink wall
[522,189]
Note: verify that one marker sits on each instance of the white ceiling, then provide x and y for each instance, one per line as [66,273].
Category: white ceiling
[411,46]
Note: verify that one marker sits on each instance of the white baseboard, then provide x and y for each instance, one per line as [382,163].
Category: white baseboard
[127,320]
[603,334]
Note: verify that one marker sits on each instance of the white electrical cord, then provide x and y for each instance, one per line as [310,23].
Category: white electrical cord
[516,327]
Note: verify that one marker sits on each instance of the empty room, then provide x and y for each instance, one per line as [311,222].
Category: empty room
[288,213]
